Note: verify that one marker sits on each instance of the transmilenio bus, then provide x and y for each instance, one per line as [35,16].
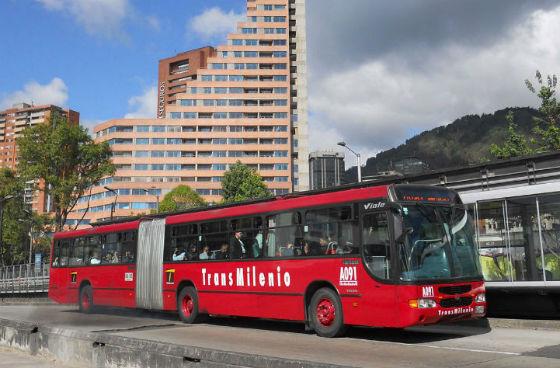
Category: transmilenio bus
[368,255]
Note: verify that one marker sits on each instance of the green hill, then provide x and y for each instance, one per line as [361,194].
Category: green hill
[462,142]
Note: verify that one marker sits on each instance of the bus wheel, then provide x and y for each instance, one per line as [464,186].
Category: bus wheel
[187,305]
[325,313]
[86,299]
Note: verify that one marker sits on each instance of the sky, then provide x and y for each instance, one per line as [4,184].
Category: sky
[379,71]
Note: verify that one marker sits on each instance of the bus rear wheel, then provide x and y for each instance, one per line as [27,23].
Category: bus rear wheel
[325,313]
[86,299]
[187,305]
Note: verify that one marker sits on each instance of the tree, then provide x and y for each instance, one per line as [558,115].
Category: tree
[547,126]
[515,144]
[64,160]
[243,183]
[12,218]
[180,198]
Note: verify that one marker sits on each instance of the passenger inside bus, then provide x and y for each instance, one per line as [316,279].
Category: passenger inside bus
[224,252]
[205,253]
[258,244]
[193,253]
[94,259]
[306,250]
[179,254]
[128,257]
[237,247]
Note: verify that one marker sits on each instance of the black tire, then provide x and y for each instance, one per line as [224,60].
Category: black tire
[325,313]
[187,305]
[85,300]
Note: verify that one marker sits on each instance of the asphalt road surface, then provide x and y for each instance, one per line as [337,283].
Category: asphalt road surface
[438,346]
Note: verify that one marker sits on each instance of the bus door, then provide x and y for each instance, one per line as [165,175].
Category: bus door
[149,264]
[376,239]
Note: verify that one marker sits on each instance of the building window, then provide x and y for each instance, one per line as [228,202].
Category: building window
[142,141]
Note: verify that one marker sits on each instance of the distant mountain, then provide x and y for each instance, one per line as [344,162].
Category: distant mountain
[460,143]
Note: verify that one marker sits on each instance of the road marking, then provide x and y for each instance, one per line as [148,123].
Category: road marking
[451,348]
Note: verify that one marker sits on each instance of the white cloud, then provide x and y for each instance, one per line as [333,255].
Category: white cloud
[144,105]
[377,104]
[214,22]
[153,22]
[55,92]
[98,17]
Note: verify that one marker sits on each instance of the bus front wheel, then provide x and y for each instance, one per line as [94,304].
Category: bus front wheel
[187,305]
[325,313]
[86,299]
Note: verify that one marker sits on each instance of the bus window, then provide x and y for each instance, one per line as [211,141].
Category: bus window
[127,241]
[251,236]
[64,245]
[111,249]
[330,231]
[215,237]
[76,253]
[92,250]
[181,243]
[375,240]
[284,235]
[55,259]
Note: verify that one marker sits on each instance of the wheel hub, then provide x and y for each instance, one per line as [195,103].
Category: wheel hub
[326,312]
[187,306]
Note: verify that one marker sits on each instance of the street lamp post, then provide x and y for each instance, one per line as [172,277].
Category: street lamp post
[156,194]
[114,202]
[358,159]
[3,200]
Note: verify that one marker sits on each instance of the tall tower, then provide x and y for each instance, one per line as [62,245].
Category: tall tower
[251,98]
[298,78]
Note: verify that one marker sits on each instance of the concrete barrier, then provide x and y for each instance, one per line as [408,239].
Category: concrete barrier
[102,350]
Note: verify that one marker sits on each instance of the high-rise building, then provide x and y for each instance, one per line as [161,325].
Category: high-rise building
[12,122]
[325,169]
[244,101]
[259,76]
[174,73]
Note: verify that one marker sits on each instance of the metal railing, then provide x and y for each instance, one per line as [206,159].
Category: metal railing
[24,278]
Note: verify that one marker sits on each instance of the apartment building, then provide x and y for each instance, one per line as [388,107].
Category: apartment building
[175,72]
[243,101]
[259,75]
[12,122]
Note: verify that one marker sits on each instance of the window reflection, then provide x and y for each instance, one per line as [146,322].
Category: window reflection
[525,251]
[492,239]
[549,207]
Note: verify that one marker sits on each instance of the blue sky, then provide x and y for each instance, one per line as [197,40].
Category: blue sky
[104,56]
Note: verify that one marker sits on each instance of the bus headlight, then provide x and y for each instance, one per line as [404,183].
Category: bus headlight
[422,303]
[480,298]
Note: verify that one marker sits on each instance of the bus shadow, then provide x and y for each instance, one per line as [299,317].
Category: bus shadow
[413,335]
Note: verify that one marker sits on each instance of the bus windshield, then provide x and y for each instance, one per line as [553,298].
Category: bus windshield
[438,243]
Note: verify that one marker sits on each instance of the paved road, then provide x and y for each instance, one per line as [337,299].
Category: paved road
[442,346]
[10,358]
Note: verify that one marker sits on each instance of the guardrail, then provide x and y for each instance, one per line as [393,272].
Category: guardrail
[24,278]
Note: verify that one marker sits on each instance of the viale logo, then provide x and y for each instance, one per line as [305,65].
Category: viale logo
[373,205]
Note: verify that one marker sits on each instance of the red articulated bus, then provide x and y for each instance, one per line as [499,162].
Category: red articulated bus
[368,255]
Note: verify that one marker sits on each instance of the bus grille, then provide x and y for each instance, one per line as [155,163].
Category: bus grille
[459,302]
[456,289]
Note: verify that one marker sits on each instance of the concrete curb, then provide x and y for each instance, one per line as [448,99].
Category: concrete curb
[522,324]
[526,324]
[104,350]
